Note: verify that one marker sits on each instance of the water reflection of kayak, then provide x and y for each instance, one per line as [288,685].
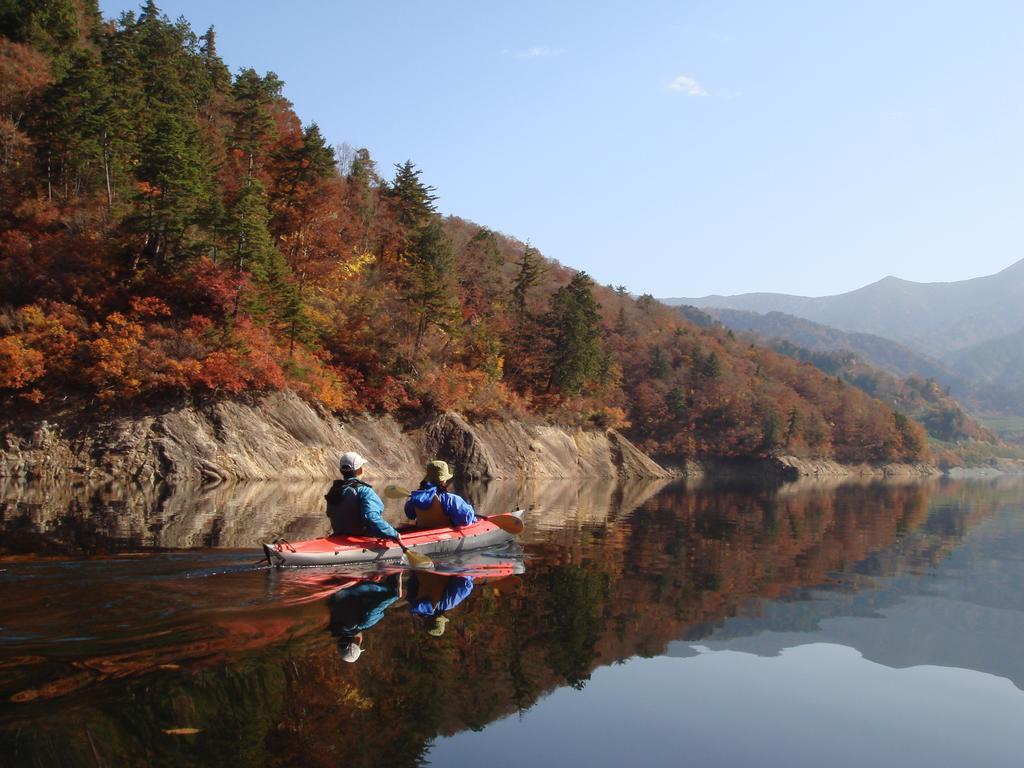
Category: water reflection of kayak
[305,585]
[332,550]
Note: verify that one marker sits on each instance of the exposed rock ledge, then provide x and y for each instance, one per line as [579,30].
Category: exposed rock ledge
[281,436]
[789,468]
[824,468]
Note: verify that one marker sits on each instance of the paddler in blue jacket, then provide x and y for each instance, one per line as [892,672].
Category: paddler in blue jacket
[432,595]
[352,505]
[357,608]
[433,505]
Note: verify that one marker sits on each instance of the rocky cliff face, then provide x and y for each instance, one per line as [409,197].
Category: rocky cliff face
[510,449]
[282,437]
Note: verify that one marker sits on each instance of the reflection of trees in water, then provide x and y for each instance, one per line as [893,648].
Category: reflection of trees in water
[574,620]
[676,568]
[79,518]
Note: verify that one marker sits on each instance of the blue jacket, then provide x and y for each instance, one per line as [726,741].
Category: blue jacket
[360,607]
[370,509]
[458,510]
[456,590]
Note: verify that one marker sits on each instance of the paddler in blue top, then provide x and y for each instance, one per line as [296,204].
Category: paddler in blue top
[433,506]
[352,505]
[432,595]
[357,608]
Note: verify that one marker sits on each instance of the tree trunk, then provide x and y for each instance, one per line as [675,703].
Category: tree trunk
[420,330]
[106,172]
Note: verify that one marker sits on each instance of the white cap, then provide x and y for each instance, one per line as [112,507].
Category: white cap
[351,461]
[351,652]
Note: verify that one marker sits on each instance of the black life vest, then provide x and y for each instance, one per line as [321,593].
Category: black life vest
[344,508]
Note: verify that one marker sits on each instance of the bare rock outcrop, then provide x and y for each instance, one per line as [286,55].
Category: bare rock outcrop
[511,449]
[791,468]
[826,468]
[282,437]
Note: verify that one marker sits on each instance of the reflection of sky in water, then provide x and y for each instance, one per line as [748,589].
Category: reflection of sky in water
[967,612]
[814,705]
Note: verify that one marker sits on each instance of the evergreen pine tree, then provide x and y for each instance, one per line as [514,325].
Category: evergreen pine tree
[577,358]
[252,96]
[363,170]
[361,195]
[253,248]
[85,126]
[677,402]
[159,60]
[621,323]
[659,366]
[521,358]
[54,27]
[413,200]
[178,183]
[531,272]
[304,164]
[431,293]
[216,71]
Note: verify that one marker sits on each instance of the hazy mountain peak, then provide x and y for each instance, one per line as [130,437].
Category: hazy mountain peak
[935,318]
[1017,268]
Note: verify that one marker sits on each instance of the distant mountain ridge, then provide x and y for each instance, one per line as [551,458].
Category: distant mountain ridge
[890,356]
[996,361]
[987,378]
[913,384]
[935,318]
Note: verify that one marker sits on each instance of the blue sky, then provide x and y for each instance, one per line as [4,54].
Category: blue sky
[678,148]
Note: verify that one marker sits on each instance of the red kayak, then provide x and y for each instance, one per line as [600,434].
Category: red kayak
[335,550]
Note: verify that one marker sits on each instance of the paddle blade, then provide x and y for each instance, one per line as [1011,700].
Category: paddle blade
[416,560]
[396,492]
[509,523]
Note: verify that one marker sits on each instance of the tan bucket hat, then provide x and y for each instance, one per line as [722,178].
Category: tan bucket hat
[438,472]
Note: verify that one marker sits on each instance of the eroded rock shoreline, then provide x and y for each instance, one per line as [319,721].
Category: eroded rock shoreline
[282,437]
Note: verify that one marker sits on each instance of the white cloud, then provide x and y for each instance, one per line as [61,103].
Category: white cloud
[537,52]
[688,85]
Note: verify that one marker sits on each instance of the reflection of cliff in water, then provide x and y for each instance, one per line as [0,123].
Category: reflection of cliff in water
[682,565]
[79,518]
[83,518]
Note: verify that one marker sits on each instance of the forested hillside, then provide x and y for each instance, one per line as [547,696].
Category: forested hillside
[956,438]
[888,355]
[985,378]
[169,229]
[867,362]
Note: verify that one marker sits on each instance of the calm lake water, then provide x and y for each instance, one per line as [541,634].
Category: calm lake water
[862,624]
